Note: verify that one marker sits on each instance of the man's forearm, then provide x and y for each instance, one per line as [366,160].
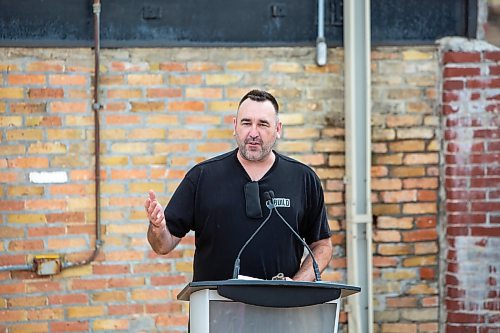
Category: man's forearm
[322,251]
[160,239]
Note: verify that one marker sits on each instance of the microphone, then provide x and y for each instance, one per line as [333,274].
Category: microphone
[270,204]
[236,269]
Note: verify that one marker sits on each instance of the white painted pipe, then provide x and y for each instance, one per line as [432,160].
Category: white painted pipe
[321,47]
[357,92]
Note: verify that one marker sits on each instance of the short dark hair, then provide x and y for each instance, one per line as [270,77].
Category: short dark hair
[260,96]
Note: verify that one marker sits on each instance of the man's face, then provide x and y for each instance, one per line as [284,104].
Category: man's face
[256,128]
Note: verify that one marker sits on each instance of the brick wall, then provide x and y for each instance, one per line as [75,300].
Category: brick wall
[471,102]
[165,110]
[405,183]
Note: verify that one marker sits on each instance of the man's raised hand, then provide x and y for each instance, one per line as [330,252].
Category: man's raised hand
[154,210]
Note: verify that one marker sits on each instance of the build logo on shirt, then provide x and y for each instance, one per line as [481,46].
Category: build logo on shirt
[281,202]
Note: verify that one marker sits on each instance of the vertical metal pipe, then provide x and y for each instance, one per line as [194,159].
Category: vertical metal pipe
[96,106]
[357,90]
[321,48]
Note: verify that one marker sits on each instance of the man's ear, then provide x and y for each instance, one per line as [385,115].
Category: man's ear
[279,129]
[234,126]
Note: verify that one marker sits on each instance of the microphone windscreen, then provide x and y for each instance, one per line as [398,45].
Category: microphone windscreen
[267,196]
[271,194]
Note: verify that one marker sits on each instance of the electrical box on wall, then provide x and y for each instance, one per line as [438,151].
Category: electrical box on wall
[128,23]
[48,264]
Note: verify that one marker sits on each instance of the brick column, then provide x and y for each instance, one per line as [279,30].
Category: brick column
[471,102]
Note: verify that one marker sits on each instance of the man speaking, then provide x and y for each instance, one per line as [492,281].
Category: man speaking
[223,200]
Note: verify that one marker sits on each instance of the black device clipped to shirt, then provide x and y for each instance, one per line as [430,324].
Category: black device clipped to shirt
[252,200]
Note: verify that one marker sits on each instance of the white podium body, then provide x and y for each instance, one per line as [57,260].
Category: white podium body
[262,306]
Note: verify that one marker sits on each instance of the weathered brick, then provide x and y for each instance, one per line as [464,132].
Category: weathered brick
[69,326]
[394,249]
[222,79]
[401,302]
[285,67]
[65,134]
[163,92]
[386,236]
[48,121]
[393,159]
[186,106]
[31,327]
[201,66]
[426,248]
[400,274]
[11,93]
[419,208]
[29,162]
[67,79]
[403,121]
[24,134]
[26,245]
[220,134]
[461,57]
[110,324]
[399,196]
[85,311]
[386,209]
[45,93]
[124,93]
[420,261]
[144,79]
[26,79]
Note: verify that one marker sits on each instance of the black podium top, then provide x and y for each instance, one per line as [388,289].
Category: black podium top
[273,293]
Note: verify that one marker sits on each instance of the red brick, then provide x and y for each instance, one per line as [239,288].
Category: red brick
[26,245]
[173,67]
[461,71]
[111,269]
[425,222]
[463,317]
[66,217]
[43,286]
[12,259]
[45,93]
[486,231]
[11,205]
[492,55]
[401,302]
[186,106]
[68,299]
[419,235]
[88,284]
[164,308]
[427,273]
[453,85]
[449,97]
[461,57]
[460,329]
[13,315]
[168,280]
[126,309]
[25,79]
[69,326]
[46,66]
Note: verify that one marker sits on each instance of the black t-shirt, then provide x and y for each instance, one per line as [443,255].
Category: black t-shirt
[211,201]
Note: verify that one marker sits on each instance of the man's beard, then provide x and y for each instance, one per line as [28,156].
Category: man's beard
[254,155]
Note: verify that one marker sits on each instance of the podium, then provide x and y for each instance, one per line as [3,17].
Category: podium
[264,306]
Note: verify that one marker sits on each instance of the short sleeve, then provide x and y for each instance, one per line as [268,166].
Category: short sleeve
[179,212]
[316,226]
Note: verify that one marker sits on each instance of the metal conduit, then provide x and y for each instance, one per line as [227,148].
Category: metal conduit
[96,106]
